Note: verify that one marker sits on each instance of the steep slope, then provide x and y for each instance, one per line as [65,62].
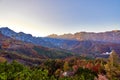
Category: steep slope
[12,49]
[25,37]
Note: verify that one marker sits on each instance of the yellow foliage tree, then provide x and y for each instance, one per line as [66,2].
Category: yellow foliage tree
[2,59]
[112,66]
[66,66]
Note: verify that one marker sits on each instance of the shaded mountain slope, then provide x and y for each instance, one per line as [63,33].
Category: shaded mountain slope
[95,47]
[12,49]
[25,37]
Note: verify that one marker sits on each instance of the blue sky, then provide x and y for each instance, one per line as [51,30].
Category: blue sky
[44,17]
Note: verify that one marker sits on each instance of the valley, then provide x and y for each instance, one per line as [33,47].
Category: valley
[61,57]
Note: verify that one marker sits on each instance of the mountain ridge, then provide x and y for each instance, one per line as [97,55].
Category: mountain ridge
[108,36]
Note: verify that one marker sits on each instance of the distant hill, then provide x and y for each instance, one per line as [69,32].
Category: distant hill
[109,36]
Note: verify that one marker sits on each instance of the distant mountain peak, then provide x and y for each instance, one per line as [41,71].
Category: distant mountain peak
[115,30]
[4,28]
[52,35]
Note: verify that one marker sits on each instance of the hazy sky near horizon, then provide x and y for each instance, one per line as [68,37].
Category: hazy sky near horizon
[44,17]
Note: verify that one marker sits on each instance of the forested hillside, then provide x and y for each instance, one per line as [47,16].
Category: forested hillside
[72,68]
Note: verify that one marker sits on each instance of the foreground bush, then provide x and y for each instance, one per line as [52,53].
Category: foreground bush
[17,71]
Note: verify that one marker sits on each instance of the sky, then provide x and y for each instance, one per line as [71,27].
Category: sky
[45,17]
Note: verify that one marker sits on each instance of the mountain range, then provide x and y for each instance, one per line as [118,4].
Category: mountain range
[85,43]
